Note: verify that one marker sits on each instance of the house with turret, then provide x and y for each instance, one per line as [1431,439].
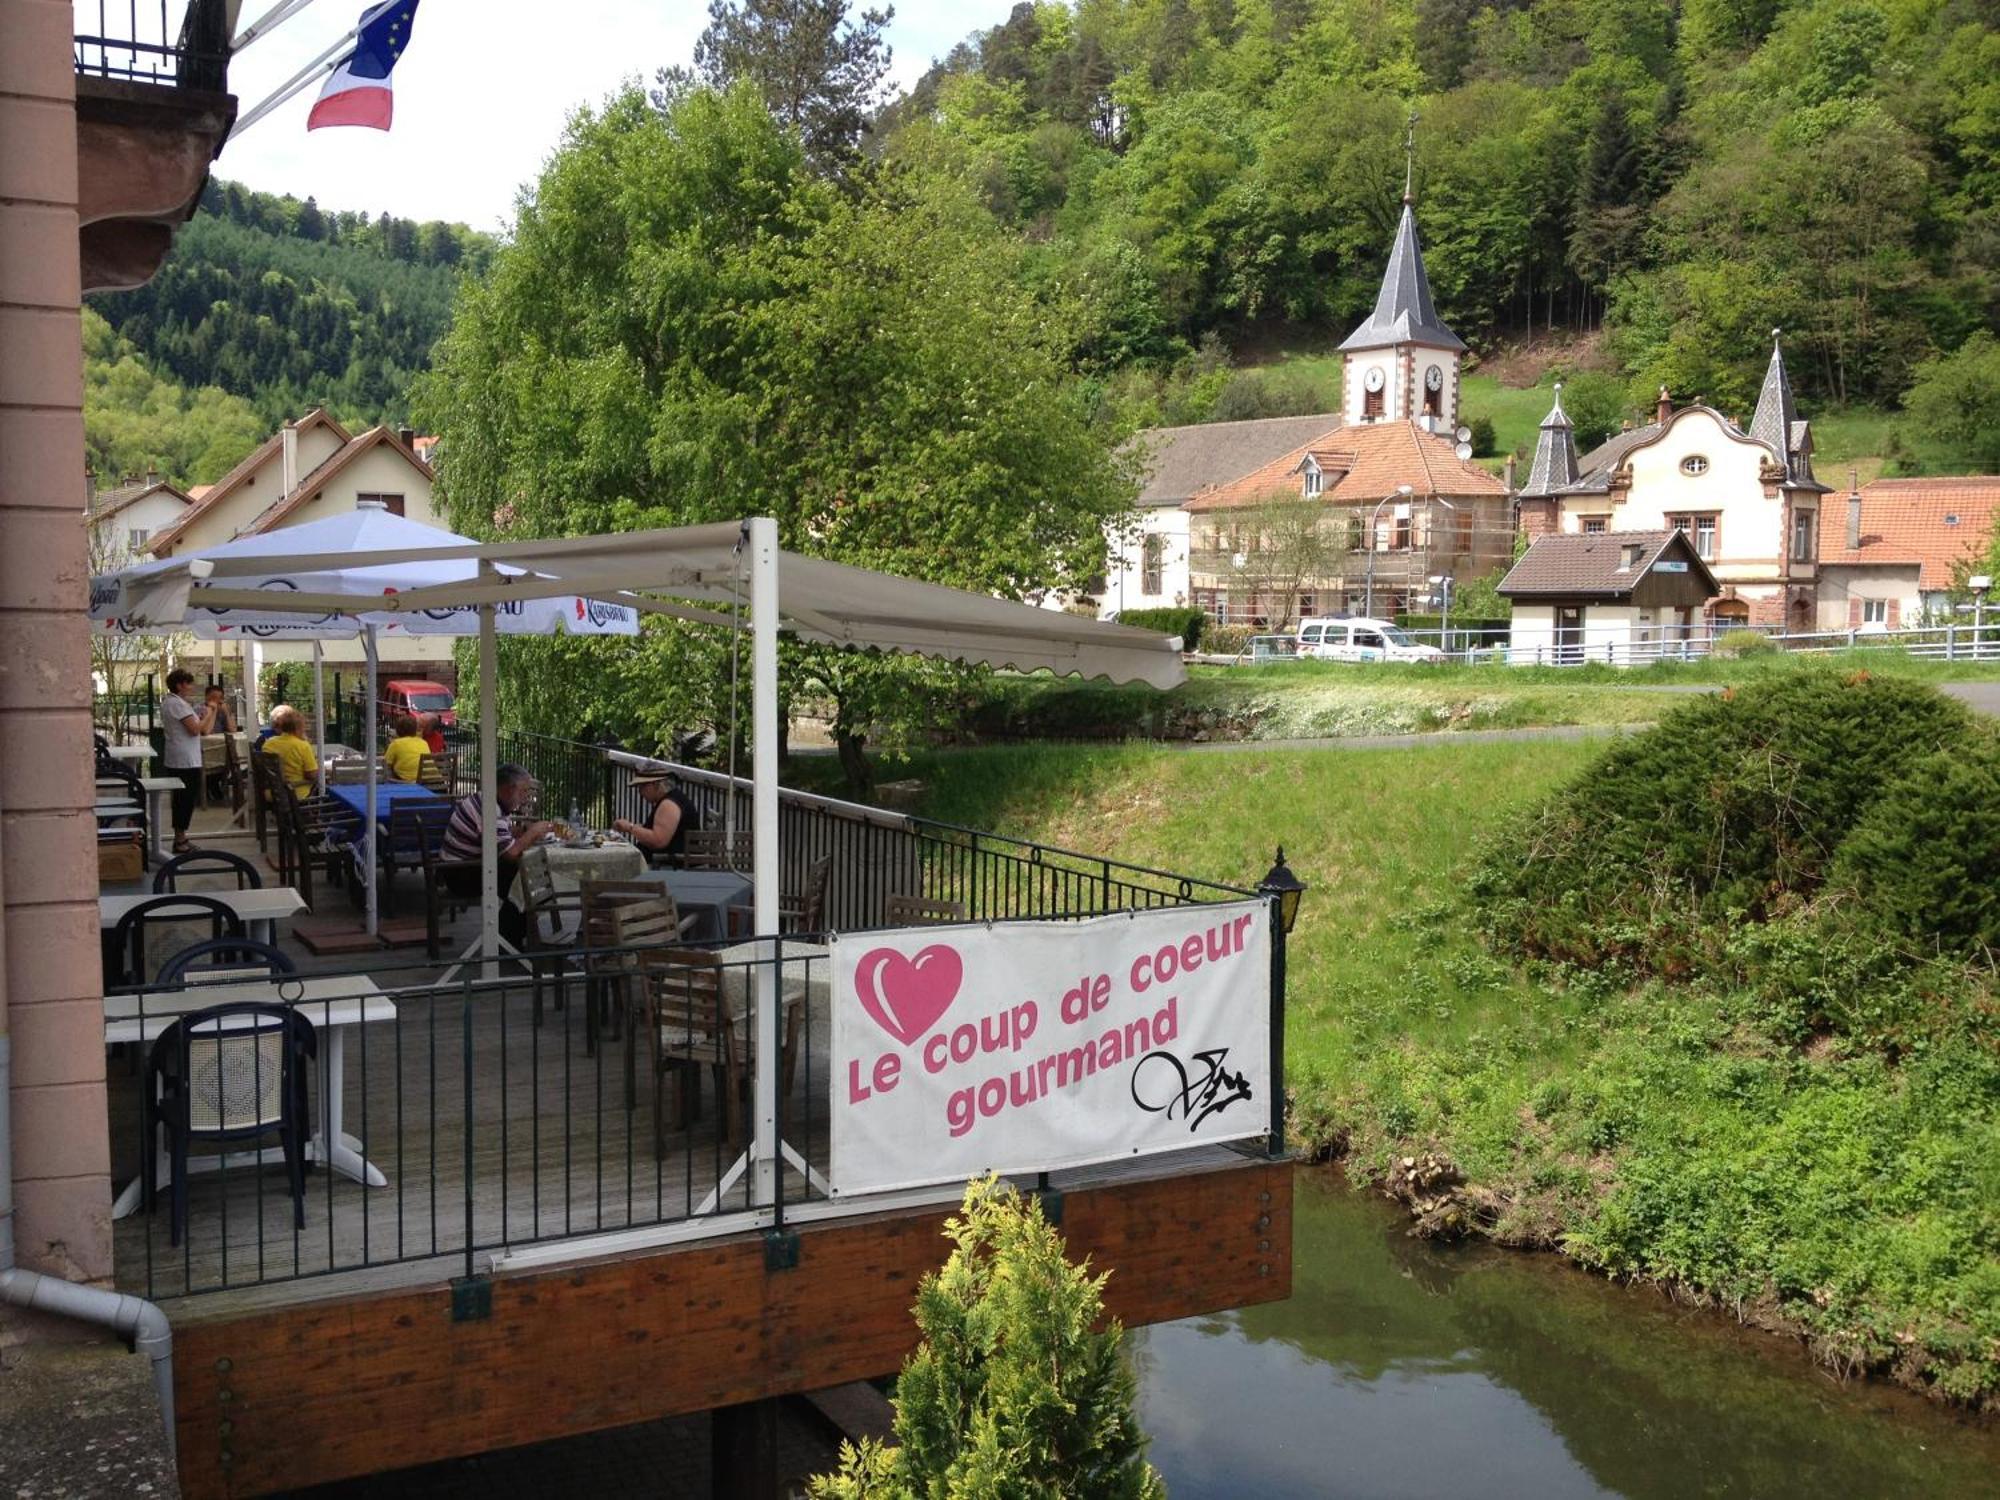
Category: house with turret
[1746,496]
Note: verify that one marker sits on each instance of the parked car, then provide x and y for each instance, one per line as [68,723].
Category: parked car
[419,696]
[1362,640]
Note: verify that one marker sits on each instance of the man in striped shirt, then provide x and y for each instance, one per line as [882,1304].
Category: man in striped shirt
[461,847]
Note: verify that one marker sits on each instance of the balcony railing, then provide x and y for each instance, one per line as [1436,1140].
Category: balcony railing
[183,44]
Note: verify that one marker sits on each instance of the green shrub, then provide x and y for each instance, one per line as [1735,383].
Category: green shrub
[1227,640]
[1014,1390]
[1924,861]
[1732,807]
[1744,643]
[1186,623]
[1484,442]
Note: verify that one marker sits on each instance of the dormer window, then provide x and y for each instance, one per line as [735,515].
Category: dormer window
[1631,552]
[1694,465]
[1314,480]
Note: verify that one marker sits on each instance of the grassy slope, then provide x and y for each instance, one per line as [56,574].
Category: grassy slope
[1643,1132]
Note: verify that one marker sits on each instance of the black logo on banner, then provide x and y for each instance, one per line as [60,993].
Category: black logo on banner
[1192,1090]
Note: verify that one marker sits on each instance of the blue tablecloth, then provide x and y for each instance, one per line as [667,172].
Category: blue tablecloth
[387,795]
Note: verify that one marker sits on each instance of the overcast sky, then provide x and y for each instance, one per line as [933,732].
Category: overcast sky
[483,91]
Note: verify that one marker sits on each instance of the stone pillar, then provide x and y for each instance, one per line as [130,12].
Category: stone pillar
[51,988]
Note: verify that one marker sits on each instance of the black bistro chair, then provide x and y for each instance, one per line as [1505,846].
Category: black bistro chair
[207,862]
[230,1072]
[125,944]
[220,960]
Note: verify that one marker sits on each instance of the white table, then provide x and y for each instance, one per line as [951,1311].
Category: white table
[160,811]
[260,908]
[332,1004]
[132,754]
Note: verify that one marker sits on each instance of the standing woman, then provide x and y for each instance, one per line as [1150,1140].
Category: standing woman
[186,724]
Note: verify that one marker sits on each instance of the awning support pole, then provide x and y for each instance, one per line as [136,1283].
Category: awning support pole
[764,844]
[371,650]
[489,788]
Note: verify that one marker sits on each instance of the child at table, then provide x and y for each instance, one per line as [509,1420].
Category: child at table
[296,762]
[405,754]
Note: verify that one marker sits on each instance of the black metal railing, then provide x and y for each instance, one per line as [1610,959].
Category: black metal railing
[141,42]
[449,1122]
[129,713]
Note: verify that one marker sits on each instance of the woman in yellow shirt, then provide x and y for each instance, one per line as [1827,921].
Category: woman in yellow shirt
[405,755]
[296,762]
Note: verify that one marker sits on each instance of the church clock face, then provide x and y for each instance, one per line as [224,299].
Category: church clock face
[1373,379]
[1434,378]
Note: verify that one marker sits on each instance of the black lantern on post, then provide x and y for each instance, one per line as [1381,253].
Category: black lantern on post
[1285,888]
[1282,889]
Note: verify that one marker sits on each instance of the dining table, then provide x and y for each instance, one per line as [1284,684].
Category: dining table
[387,795]
[335,1004]
[261,908]
[709,895]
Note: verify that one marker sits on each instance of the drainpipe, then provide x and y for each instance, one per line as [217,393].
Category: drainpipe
[140,1323]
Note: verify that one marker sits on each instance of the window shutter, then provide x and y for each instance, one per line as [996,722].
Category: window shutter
[1853,613]
[1895,610]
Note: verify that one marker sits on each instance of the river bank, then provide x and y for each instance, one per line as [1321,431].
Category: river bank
[1402,1367]
[1655,1134]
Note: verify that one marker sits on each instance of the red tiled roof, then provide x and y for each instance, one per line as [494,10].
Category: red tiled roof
[1372,460]
[1932,522]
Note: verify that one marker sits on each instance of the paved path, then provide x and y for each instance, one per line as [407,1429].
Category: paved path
[1404,741]
[1983,697]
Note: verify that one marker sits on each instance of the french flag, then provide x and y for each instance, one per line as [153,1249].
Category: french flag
[358,92]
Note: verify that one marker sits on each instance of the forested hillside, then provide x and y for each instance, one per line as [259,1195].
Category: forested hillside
[1685,174]
[286,306]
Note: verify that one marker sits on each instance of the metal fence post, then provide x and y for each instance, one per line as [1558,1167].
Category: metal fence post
[1277,1142]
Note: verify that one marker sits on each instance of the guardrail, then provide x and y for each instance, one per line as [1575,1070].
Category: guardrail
[180,45]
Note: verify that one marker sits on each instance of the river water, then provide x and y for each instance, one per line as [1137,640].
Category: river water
[1404,1369]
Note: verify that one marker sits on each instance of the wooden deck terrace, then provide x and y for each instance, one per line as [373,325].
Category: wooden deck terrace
[370,1340]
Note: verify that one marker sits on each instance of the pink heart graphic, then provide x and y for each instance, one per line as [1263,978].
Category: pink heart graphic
[907,995]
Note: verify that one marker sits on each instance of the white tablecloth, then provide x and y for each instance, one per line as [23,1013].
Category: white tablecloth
[569,868]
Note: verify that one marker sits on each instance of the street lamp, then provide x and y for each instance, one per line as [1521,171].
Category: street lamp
[1286,887]
[1403,493]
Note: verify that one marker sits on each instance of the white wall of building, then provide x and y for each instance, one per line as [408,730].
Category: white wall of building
[379,471]
[263,487]
[1846,588]
[1124,583]
[148,517]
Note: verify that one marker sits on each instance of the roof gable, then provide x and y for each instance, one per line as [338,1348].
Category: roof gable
[274,514]
[1594,564]
[219,492]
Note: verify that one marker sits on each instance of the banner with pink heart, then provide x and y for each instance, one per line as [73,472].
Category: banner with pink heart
[1029,1046]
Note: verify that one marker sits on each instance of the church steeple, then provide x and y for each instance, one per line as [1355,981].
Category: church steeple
[1401,363]
[1772,423]
[1555,466]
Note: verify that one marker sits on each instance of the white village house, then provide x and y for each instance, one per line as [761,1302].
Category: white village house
[123,520]
[1614,596]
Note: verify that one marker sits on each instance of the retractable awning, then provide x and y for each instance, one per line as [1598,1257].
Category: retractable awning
[698,573]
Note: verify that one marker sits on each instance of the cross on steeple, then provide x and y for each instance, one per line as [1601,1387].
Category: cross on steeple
[1410,159]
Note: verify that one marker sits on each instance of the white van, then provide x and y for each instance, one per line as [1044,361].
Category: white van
[1362,640]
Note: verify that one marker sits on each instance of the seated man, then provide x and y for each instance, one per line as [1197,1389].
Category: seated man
[405,754]
[671,813]
[461,846]
[433,736]
[297,764]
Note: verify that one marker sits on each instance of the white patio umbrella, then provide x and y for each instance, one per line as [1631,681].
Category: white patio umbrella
[157,593]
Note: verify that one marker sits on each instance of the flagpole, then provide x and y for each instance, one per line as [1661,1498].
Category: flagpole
[325,63]
[267,23]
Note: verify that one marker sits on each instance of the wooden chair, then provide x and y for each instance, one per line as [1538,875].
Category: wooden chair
[413,827]
[316,833]
[714,849]
[441,893]
[264,786]
[608,970]
[687,1029]
[554,923]
[439,773]
[920,911]
[805,910]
